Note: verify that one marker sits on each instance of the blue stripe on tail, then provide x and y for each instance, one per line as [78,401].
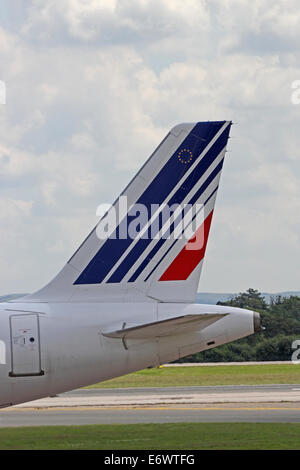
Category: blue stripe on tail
[178,197]
[156,193]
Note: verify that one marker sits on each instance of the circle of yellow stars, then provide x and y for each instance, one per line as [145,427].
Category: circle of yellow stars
[185,156]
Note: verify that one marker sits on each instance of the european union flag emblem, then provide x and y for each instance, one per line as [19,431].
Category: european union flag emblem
[185,156]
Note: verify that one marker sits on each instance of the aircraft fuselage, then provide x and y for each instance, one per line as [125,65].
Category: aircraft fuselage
[50,348]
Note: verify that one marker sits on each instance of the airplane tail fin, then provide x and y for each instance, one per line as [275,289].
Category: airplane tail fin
[151,243]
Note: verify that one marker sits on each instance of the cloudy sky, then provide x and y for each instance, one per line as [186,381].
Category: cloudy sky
[92,86]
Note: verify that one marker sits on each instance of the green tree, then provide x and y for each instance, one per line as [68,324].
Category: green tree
[281,322]
[251,299]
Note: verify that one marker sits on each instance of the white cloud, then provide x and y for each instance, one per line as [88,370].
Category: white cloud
[114,21]
[11,209]
[259,22]
[94,86]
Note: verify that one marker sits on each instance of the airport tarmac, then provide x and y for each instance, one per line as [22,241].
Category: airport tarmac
[241,403]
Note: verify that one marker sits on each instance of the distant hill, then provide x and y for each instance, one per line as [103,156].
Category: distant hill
[212,298]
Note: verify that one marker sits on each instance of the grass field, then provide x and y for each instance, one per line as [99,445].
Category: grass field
[179,436]
[208,375]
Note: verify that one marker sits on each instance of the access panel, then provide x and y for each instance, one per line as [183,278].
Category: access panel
[25,345]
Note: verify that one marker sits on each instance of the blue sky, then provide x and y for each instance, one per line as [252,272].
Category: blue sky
[92,88]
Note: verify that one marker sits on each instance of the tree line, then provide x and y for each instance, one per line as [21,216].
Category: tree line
[281,321]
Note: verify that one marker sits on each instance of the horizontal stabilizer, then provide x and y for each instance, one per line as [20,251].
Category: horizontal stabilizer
[169,327]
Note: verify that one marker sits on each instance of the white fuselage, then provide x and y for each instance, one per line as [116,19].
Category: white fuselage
[50,348]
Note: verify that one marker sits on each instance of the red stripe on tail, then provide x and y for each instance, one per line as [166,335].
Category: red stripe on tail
[187,260]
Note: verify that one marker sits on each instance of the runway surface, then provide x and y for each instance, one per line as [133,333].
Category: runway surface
[245,403]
